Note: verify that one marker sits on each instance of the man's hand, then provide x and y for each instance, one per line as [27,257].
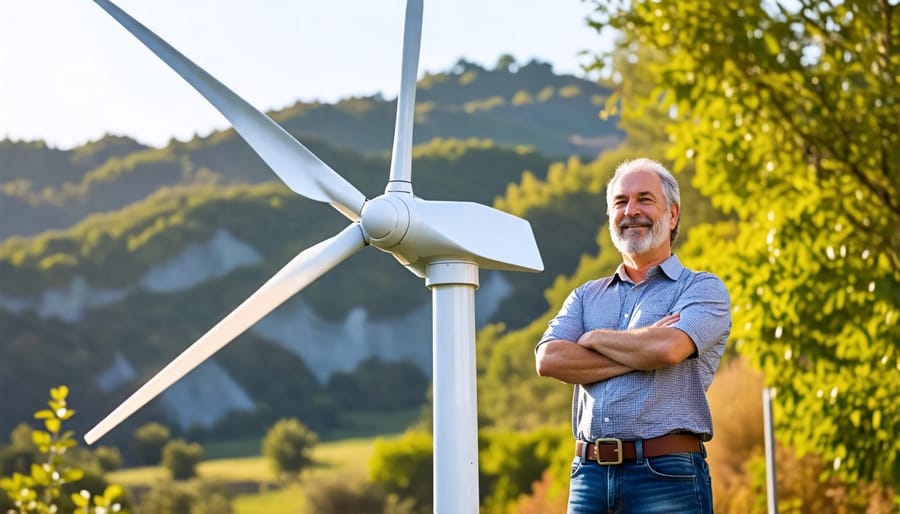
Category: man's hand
[667,320]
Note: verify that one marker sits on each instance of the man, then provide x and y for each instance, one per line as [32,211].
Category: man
[641,348]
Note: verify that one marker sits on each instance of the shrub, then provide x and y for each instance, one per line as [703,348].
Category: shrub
[52,485]
[403,467]
[511,462]
[109,458]
[185,498]
[338,497]
[149,441]
[181,458]
[545,498]
[288,445]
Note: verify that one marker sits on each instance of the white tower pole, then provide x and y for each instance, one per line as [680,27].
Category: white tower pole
[771,487]
[453,284]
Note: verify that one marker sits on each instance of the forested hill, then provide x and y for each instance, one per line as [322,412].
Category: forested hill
[115,256]
[43,188]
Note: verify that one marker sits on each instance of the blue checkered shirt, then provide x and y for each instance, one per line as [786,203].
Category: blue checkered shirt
[646,404]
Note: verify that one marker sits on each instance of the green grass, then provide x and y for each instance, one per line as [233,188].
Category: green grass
[347,459]
[287,500]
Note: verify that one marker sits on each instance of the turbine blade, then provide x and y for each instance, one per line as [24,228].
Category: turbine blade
[302,270]
[493,238]
[401,158]
[299,168]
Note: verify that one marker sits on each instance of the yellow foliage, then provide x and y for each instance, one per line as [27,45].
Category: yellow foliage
[569,91]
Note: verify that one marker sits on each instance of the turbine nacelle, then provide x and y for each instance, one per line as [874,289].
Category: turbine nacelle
[417,232]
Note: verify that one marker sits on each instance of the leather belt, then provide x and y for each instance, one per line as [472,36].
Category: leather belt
[609,451]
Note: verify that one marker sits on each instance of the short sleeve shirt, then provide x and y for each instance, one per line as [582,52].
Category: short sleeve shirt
[647,404]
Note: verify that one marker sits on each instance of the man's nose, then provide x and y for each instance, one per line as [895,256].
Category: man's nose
[632,208]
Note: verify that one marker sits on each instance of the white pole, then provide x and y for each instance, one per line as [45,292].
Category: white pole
[771,489]
[453,285]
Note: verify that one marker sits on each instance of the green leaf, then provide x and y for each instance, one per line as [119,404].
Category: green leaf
[59,393]
[52,425]
[81,499]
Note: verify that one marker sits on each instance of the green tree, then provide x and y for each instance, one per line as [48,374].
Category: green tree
[181,458]
[288,445]
[789,111]
[149,441]
[378,385]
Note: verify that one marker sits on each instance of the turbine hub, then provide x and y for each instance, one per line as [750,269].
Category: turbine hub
[385,220]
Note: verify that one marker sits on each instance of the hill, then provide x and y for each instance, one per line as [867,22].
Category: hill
[116,256]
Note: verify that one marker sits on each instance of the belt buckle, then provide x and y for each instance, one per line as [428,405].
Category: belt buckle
[609,440]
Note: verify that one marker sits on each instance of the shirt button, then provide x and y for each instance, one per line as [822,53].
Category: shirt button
[606,420]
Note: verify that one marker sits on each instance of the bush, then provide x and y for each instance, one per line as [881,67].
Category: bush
[181,458]
[288,445]
[183,498]
[403,467]
[338,497]
[545,498]
[149,441]
[512,462]
[54,485]
[109,458]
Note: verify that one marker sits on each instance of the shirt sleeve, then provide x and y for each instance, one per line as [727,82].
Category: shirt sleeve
[705,309]
[568,324]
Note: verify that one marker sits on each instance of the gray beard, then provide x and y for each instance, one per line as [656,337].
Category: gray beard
[638,245]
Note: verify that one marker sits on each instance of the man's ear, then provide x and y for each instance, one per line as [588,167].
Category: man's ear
[675,212]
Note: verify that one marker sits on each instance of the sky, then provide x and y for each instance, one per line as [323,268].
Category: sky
[69,73]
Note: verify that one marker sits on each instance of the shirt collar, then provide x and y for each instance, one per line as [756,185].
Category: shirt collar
[670,267]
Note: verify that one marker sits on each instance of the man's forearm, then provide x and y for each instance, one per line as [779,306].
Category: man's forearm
[575,363]
[644,349]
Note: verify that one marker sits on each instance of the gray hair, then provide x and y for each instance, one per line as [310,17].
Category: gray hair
[669,186]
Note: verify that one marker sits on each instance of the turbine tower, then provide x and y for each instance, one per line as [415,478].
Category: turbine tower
[443,242]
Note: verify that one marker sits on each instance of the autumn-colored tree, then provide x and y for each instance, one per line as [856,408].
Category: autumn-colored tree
[789,112]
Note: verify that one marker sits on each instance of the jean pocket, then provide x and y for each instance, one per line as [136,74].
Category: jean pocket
[576,466]
[675,466]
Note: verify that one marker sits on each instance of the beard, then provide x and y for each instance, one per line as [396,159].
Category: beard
[637,244]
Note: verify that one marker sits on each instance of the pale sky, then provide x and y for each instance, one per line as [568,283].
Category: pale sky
[69,73]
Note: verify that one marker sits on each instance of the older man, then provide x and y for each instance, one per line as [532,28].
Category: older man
[641,348]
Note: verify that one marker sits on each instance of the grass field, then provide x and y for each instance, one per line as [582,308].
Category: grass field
[257,489]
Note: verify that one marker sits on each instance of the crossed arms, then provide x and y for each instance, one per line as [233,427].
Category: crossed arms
[602,354]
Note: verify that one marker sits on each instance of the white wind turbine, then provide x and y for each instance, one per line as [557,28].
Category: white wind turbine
[443,242]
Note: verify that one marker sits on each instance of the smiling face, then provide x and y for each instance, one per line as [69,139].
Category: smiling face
[640,221]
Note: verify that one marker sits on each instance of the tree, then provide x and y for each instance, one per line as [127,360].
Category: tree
[288,445]
[506,62]
[181,458]
[149,441]
[790,114]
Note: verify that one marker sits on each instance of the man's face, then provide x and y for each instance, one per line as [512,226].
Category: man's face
[639,221]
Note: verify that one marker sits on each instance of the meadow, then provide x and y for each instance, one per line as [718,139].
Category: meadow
[255,487]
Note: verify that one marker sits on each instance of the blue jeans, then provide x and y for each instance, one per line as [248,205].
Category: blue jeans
[678,483]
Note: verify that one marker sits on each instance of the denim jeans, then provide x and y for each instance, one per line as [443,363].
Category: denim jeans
[678,483]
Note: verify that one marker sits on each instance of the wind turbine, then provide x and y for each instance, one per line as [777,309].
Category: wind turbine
[443,242]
